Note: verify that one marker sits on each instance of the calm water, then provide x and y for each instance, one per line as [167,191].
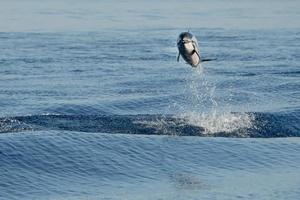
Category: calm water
[108,113]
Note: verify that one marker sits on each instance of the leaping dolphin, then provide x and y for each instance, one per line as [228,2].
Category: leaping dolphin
[189,49]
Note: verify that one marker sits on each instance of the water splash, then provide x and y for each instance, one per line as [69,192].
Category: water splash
[213,123]
[201,107]
[198,93]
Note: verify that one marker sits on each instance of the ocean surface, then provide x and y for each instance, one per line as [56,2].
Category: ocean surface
[106,112]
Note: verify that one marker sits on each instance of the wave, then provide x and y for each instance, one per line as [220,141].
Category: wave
[188,124]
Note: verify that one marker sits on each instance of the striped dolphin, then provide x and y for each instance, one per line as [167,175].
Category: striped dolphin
[189,49]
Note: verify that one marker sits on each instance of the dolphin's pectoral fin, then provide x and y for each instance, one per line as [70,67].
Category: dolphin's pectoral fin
[178,56]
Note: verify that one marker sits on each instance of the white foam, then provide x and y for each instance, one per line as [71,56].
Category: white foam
[219,122]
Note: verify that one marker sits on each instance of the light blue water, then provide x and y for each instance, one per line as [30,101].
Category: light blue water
[106,112]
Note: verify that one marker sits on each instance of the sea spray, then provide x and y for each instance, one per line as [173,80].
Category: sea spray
[201,107]
[214,123]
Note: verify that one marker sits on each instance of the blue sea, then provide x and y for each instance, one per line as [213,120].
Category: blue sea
[95,106]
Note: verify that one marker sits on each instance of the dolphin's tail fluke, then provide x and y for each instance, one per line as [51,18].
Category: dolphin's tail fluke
[206,60]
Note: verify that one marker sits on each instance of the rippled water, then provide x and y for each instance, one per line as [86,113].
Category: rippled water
[77,165]
[105,113]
